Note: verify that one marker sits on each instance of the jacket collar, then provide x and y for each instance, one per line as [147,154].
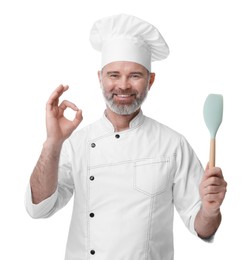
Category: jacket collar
[135,122]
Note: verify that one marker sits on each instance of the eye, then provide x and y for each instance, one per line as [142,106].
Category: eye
[113,76]
[136,76]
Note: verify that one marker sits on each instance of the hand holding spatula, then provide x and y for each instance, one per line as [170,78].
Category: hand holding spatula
[213,186]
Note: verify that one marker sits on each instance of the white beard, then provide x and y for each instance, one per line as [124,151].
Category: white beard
[125,109]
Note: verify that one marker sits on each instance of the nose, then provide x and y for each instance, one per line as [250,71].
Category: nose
[124,83]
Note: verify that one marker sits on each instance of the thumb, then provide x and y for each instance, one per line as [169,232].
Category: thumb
[78,118]
[206,170]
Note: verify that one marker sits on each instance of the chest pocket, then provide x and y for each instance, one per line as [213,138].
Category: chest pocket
[153,176]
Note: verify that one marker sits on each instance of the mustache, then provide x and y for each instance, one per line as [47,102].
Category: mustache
[128,93]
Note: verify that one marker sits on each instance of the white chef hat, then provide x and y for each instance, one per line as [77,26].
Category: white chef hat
[128,38]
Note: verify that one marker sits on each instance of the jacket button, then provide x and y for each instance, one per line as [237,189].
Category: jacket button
[93,145]
[117,136]
[91,215]
[92,252]
[91,178]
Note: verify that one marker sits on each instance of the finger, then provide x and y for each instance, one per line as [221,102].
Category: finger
[67,104]
[215,171]
[54,98]
[78,118]
[212,189]
[214,181]
[218,198]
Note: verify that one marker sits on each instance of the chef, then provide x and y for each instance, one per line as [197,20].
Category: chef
[127,171]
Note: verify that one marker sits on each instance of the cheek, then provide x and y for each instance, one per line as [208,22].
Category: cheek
[142,88]
[107,88]
[107,85]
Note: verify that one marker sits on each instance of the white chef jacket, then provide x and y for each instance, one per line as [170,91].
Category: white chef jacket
[126,185]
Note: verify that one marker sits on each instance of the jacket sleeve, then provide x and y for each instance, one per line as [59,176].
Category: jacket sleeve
[186,184]
[63,193]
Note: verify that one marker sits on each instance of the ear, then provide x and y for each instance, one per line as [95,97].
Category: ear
[99,73]
[152,79]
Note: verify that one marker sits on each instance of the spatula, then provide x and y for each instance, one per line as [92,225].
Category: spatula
[213,112]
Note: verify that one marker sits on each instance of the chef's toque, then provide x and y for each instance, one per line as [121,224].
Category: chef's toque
[128,38]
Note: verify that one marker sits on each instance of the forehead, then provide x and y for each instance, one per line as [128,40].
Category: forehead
[124,67]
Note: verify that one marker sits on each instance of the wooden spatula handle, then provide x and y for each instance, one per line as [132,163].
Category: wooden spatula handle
[212,153]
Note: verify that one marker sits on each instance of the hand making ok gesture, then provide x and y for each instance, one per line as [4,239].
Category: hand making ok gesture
[59,128]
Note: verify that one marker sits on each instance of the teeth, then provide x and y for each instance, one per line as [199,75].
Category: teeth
[123,96]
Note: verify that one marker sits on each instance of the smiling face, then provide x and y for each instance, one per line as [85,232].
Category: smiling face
[125,86]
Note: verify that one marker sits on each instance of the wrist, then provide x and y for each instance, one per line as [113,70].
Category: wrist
[52,145]
[210,214]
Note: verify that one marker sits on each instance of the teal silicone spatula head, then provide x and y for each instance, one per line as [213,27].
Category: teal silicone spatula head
[213,112]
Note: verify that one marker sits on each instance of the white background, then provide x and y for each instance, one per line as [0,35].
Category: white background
[45,43]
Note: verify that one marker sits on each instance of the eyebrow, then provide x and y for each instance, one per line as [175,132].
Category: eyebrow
[131,73]
[137,73]
[112,72]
